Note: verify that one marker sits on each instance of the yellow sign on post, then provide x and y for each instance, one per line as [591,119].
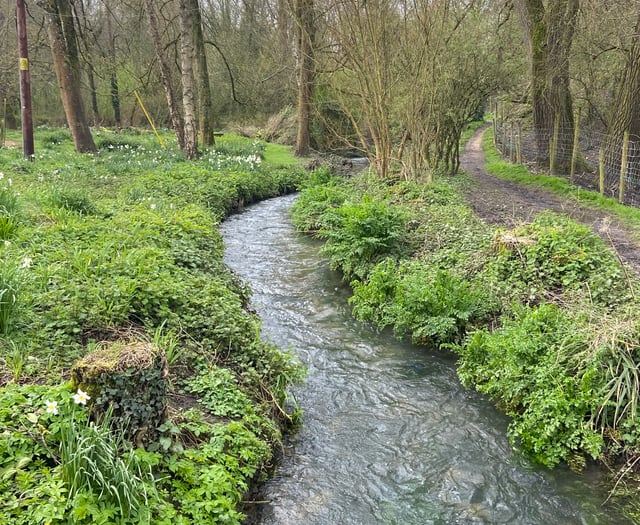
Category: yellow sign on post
[24,64]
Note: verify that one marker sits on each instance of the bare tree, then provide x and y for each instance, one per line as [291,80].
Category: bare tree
[64,50]
[205,103]
[304,17]
[177,121]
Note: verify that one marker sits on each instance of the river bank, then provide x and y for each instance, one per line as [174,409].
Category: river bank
[119,322]
[542,315]
[388,433]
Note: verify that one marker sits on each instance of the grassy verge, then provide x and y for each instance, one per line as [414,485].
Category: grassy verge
[542,317]
[558,185]
[120,250]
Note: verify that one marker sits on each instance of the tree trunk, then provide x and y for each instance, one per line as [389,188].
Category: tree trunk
[205,104]
[177,122]
[114,89]
[94,96]
[625,116]
[62,36]
[549,33]
[305,34]
[188,99]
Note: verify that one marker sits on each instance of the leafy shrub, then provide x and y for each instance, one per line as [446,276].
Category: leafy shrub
[130,380]
[219,393]
[361,234]
[432,306]
[554,254]
[308,211]
[527,365]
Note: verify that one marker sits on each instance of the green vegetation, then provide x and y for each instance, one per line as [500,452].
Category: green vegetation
[102,256]
[561,186]
[543,317]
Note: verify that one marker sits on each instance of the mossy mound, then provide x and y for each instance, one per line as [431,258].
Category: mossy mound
[129,378]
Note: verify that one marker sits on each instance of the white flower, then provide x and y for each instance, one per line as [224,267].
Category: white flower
[152,205]
[7,243]
[52,407]
[26,262]
[1,175]
[80,397]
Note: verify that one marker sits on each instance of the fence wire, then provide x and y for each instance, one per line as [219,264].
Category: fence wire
[612,169]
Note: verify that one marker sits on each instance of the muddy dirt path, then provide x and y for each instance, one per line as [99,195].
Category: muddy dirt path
[506,203]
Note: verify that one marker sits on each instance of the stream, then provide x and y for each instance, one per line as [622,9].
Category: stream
[389,434]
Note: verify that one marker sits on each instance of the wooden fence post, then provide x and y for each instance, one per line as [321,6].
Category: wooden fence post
[553,147]
[601,170]
[623,167]
[519,145]
[495,126]
[3,132]
[576,138]
[512,148]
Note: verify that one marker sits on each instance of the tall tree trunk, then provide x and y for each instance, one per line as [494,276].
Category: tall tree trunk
[177,122]
[64,49]
[305,35]
[549,32]
[94,96]
[114,88]
[205,103]
[188,99]
[625,115]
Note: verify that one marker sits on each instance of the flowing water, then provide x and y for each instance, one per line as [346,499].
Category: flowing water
[389,434]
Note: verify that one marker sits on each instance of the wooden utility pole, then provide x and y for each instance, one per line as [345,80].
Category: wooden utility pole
[25,82]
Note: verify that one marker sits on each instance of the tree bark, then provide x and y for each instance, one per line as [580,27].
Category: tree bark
[177,123]
[305,35]
[62,37]
[205,104]
[625,115]
[549,32]
[188,99]
[114,89]
[626,109]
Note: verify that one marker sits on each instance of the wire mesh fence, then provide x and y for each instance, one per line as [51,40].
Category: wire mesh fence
[588,158]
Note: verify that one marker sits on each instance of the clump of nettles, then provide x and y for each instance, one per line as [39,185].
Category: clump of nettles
[131,380]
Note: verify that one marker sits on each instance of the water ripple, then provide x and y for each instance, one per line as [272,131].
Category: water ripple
[389,436]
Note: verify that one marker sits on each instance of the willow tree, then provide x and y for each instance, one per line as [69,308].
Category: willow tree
[364,72]
[549,27]
[625,113]
[66,62]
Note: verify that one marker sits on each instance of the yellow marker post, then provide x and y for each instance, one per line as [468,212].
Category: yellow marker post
[149,119]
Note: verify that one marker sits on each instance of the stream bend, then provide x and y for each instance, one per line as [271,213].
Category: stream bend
[389,436]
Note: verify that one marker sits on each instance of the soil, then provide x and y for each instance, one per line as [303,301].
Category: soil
[509,204]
